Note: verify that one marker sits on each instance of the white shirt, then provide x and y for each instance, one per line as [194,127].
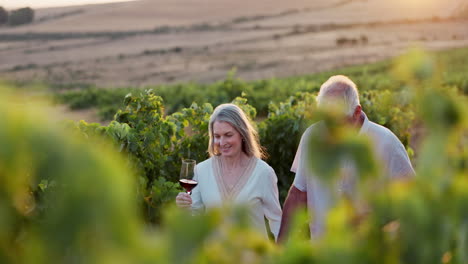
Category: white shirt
[259,193]
[389,151]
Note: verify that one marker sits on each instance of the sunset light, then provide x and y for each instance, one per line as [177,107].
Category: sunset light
[234,131]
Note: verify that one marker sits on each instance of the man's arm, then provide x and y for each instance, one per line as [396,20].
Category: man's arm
[295,200]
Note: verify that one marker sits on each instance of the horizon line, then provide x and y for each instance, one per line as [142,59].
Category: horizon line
[59,4]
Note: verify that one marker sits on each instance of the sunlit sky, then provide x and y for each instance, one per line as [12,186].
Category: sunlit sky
[51,3]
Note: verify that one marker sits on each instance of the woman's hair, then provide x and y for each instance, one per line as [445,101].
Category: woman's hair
[342,88]
[233,115]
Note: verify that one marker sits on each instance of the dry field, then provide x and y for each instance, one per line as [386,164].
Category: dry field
[168,41]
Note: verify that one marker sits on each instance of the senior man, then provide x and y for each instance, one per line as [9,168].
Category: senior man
[307,189]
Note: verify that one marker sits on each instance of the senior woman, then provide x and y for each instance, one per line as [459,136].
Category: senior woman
[235,174]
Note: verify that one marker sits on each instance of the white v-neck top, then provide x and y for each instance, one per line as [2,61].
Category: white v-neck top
[260,194]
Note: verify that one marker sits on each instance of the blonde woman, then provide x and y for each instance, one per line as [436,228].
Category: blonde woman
[234,173]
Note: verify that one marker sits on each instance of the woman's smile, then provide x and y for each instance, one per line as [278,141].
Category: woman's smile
[227,139]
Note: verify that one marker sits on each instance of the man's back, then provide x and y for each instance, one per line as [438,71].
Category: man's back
[389,150]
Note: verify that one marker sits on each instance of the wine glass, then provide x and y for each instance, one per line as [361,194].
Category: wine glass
[186,175]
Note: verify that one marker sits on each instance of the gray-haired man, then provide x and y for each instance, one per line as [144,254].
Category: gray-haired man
[307,189]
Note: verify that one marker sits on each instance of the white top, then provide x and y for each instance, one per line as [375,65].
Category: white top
[259,192]
[389,151]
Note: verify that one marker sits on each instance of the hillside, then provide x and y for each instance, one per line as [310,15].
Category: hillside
[168,41]
[149,14]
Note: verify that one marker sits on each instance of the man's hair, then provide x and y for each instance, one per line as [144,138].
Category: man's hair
[233,115]
[342,88]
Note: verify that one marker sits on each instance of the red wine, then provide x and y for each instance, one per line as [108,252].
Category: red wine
[188,185]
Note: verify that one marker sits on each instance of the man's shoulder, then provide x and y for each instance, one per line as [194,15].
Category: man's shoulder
[382,134]
[312,128]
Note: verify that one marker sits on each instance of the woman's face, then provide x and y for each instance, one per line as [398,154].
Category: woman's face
[227,139]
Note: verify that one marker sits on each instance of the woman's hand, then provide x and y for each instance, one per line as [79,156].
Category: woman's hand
[183,200]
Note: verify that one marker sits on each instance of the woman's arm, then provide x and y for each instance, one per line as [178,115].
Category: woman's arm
[271,204]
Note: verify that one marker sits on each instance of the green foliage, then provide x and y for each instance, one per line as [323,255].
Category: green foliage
[280,134]
[155,144]
[144,132]
[21,16]
[392,110]
[157,197]
[192,127]
[412,221]
[108,101]
[67,200]
[371,79]
[147,137]
[70,197]
[61,200]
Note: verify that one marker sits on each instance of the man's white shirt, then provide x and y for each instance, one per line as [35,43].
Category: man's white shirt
[388,149]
